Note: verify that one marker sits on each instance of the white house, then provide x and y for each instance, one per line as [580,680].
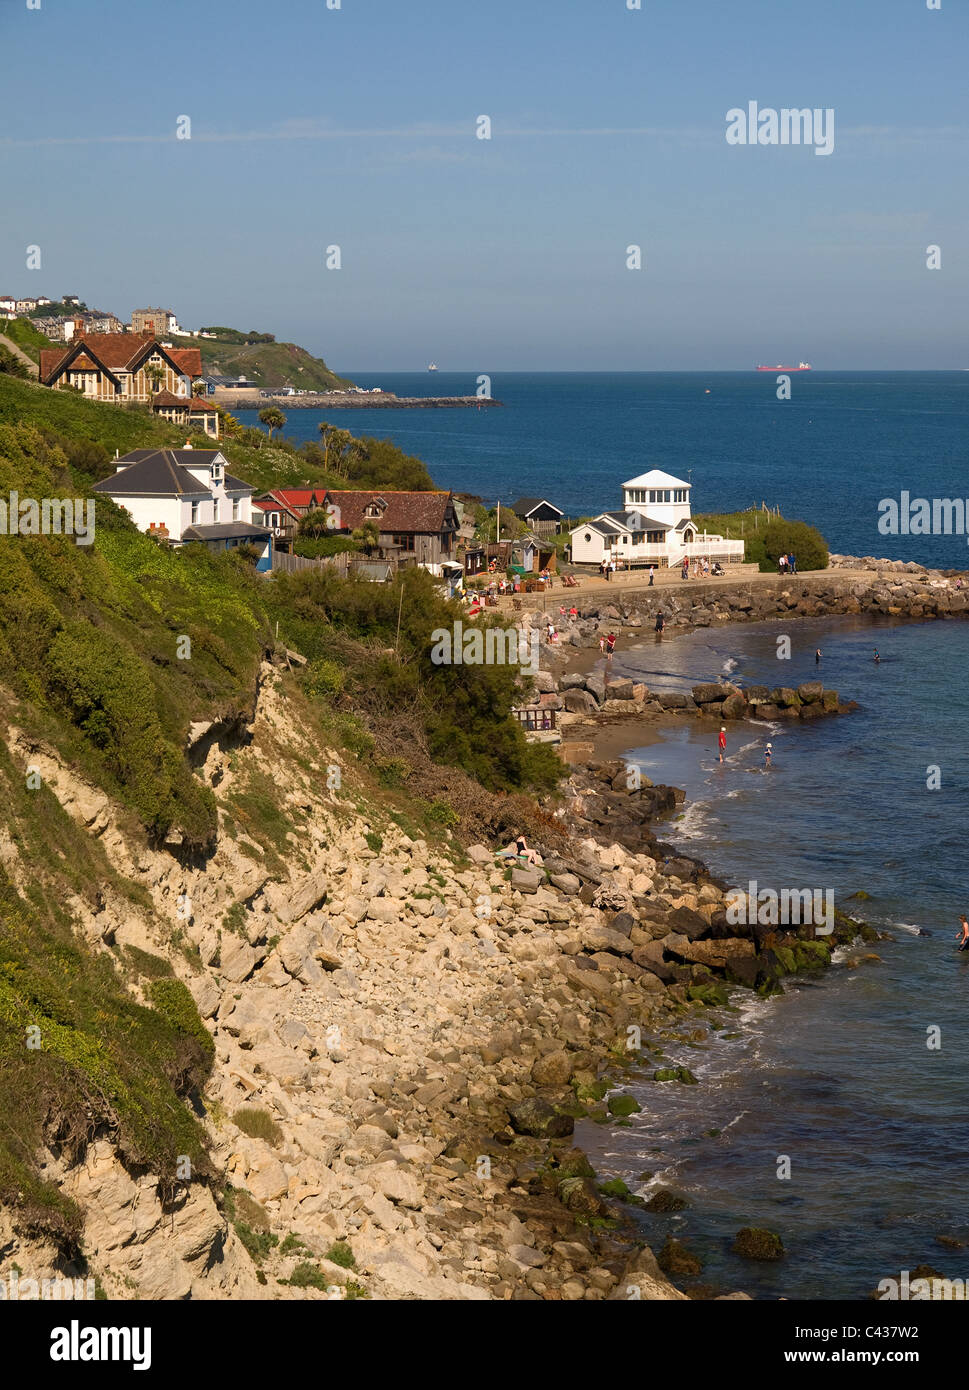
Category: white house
[182,495]
[654,527]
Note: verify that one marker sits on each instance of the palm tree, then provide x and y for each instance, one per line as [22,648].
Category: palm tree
[155,375]
[367,536]
[273,418]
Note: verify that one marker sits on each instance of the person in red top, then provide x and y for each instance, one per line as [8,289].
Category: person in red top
[722,740]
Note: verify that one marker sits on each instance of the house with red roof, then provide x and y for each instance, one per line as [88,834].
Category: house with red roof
[195,412]
[413,528]
[283,508]
[120,367]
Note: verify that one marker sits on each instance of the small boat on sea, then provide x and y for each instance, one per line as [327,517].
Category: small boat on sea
[801,367]
[432,366]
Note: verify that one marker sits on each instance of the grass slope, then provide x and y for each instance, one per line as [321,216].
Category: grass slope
[269,364]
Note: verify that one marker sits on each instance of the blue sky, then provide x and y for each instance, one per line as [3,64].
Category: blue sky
[356,127]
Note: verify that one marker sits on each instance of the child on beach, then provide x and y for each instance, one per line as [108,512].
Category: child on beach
[722,741]
[768,754]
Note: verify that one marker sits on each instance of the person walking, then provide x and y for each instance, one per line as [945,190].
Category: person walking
[793,562]
[722,741]
[652,571]
[686,567]
[610,645]
[660,623]
[817,657]
[768,754]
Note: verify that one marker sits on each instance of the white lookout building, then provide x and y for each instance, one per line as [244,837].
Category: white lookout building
[654,528]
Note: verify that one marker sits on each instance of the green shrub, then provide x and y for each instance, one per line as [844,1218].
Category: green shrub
[258,1124]
[307,1276]
[260,1244]
[808,545]
[323,677]
[340,1254]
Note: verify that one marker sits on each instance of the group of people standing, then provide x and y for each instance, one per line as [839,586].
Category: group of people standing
[787,564]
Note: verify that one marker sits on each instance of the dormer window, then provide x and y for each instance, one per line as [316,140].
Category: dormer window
[216,472]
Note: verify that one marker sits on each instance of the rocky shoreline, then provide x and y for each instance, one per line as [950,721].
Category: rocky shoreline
[406,1032]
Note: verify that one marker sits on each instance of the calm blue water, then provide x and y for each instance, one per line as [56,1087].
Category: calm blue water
[845,441]
[836,1074]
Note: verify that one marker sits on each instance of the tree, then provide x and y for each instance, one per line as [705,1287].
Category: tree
[316,524]
[781,537]
[11,364]
[273,418]
[367,535]
[155,375]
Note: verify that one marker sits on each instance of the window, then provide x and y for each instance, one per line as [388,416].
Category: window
[405,542]
[215,509]
[587,538]
[236,508]
[637,537]
[273,519]
[216,472]
[195,513]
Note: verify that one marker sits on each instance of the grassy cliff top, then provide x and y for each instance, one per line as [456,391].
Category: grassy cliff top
[104,428]
[266,364]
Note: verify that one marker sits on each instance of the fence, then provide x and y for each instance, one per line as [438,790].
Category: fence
[346,564]
[535,718]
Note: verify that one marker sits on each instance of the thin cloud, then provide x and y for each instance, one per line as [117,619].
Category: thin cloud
[308,130]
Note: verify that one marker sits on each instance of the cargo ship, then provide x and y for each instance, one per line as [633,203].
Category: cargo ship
[801,367]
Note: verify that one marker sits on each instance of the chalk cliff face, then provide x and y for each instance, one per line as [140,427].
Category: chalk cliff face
[395,1026]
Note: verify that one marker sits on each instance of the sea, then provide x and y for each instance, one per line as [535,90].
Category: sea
[836,1114]
[857,1077]
[843,443]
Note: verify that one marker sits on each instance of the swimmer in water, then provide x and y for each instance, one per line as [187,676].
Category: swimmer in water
[964,938]
[876,657]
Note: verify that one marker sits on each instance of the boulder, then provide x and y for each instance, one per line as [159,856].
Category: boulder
[810,691]
[595,684]
[579,702]
[754,1243]
[673,699]
[554,1069]
[620,690]
[708,692]
[685,922]
[605,939]
[526,880]
[292,901]
[734,707]
[536,1117]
